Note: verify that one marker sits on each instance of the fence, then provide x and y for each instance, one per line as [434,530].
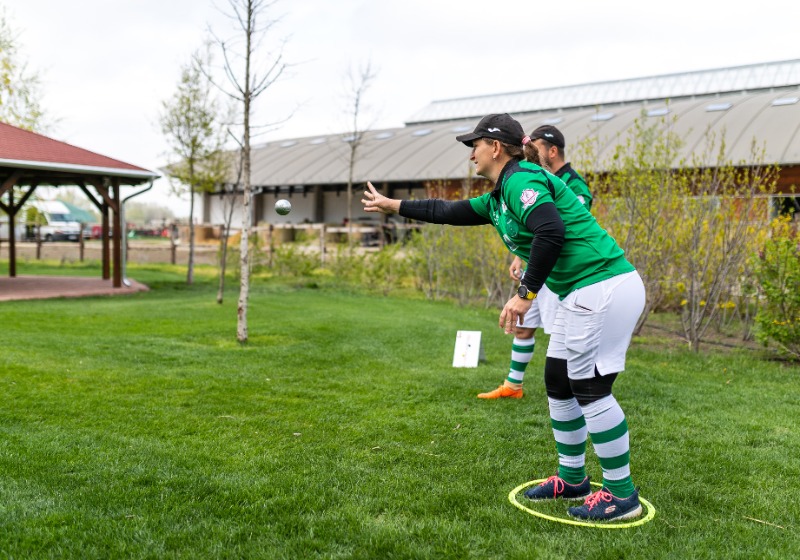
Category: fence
[312,237]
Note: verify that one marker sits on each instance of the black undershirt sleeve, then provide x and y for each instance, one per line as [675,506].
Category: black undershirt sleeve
[545,223]
[437,211]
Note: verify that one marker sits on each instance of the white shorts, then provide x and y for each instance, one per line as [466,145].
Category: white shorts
[593,325]
[542,312]
[548,305]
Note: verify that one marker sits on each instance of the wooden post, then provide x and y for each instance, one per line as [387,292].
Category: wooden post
[271,242]
[173,245]
[105,237]
[80,242]
[322,243]
[38,242]
[12,246]
[116,249]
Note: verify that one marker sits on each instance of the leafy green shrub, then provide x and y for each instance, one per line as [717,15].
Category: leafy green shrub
[778,271]
[387,269]
[689,227]
[468,264]
[258,257]
[290,260]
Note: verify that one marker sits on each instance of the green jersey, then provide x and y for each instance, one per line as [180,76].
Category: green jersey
[576,184]
[589,254]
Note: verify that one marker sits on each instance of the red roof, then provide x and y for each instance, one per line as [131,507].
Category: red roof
[17,144]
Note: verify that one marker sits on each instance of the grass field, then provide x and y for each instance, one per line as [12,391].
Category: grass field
[137,427]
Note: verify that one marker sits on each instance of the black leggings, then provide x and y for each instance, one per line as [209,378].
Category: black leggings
[559,386]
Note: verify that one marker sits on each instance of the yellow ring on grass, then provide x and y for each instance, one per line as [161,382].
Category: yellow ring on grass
[651,511]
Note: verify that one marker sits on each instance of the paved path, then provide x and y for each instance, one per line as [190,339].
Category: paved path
[45,287]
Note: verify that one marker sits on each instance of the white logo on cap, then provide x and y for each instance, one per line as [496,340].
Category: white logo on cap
[493,130]
[548,135]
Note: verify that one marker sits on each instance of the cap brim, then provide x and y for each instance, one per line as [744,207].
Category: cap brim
[468,139]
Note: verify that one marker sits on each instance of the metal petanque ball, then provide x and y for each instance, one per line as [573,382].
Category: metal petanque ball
[283,207]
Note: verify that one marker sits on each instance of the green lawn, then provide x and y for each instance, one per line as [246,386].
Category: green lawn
[137,427]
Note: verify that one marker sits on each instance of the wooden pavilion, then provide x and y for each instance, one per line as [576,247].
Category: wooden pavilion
[29,160]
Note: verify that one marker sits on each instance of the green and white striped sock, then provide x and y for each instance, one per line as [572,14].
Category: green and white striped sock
[569,430]
[521,355]
[609,431]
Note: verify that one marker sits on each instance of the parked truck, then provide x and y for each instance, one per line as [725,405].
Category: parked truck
[59,225]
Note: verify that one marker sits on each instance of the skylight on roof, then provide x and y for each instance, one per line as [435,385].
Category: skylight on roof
[384,135]
[317,141]
[719,107]
[602,116]
[781,101]
[288,143]
[747,78]
[660,112]
[554,120]
[462,128]
[422,132]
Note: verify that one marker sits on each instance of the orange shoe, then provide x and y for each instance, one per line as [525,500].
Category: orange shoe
[502,392]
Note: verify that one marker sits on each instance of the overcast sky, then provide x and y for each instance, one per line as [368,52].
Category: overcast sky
[107,65]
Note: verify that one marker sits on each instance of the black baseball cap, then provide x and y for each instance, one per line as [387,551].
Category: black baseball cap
[549,133]
[498,126]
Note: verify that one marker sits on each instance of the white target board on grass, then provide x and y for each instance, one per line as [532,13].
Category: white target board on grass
[469,350]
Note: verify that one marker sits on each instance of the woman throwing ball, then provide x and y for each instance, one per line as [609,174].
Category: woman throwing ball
[601,297]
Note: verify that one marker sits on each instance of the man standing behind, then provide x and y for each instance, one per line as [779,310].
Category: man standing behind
[548,143]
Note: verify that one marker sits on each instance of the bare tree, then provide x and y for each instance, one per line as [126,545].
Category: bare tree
[689,227]
[19,106]
[723,226]
[245,83]
[642,203]
[359,81]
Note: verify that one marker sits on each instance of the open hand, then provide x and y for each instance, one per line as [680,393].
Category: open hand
[374,201]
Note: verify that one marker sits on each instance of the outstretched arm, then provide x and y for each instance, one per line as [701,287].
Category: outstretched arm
[432,210]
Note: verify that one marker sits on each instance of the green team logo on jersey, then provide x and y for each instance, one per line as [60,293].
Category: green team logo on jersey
[511,227]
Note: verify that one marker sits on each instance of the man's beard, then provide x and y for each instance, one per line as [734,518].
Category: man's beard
[547,163]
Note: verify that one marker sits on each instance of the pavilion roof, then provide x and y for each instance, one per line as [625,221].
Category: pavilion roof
[50,159]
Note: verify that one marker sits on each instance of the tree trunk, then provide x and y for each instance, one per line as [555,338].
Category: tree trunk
[226,234]
[353,147]
[190,267]
[244,261]
[223,258]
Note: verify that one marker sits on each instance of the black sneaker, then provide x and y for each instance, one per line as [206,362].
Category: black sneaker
[555,487]
[604,506]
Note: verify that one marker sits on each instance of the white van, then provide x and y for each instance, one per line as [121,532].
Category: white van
[60,225]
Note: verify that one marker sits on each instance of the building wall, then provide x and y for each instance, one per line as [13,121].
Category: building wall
[215,210]
[316,206]
[302,208]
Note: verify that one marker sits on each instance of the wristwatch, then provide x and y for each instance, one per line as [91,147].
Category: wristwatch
[525,293]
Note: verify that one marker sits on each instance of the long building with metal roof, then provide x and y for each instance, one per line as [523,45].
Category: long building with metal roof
[755,103]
